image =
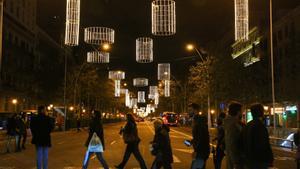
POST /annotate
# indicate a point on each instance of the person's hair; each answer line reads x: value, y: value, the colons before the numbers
x: 257, y: 110
x: 97, y: 114
x: 221, y: 117
x: 130, y: 117
x: 41, y: 109
x: 157, y: 123
x: 195, y: 106
x: 199, y: 121
x: 234, y: 108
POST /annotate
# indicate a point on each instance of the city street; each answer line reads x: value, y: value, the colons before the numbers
x: 68, y: 150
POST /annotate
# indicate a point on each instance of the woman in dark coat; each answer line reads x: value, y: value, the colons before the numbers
x: 200, y: 142
x: 130, y: 137
x: 161, y: 146
x: 95, y: 126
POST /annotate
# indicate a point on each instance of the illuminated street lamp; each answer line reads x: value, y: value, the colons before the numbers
x: 191, y: 47
x: 71, y: 108
x: 15, y: 102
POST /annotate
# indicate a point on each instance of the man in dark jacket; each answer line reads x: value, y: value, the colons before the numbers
x: 161, y: 146
x: 11, y: 130
x: 255, y: 138
x: 41, y: 127
x: 233, y: 129
x: 200, y: 142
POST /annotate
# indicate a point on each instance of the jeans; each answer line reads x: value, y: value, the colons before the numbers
x: 157, y: 164
x: 99, y: 156
x: 133, y: 148
x: 42, y: 157
x: 218, y: 158
x: 9, y: 139
x: 198, y: 163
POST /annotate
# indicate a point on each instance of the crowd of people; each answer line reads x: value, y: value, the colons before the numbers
x: 246, y: 146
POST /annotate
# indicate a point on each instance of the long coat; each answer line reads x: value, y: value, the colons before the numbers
x: 162, y: 144
x: 200, y: 140
x: 96, y: 126
x: 41, y: 127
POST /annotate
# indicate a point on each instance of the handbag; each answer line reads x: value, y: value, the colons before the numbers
x: 95, y: 144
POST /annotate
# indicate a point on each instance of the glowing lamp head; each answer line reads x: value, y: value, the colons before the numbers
x: 106, y: 46
x: 190, y: 47
x: 14, y: 101
x: 71, y: 108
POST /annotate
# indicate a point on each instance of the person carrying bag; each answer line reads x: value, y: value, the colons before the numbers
x: 95, y: 141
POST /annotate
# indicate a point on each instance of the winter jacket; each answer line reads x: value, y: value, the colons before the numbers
x: 162, y: 144
x: 130, y: 133
x: 11, y: 126
x: 41, y: 127
x: 256, y: 145
x: 233, y: 148
x: 95, y: 126
x: 200, y: 141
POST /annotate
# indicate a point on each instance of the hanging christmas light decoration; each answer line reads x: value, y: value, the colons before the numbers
x: 117, y: 88
x: 117, y: 76
x: 133, y: 103
x: 144, y: 50
x: 167, y: 88
x: 156, y: 99
x: 153, y: 90
x: 98, y: 57
x: 127, y: 98
x: 72, y: 23
x: 164, y: 74
x: 141, y: 97
x: 163, y: 17
x: 140, y: 82
x: 99, y: 35
x: 164, y: 71
x: 241, y: 11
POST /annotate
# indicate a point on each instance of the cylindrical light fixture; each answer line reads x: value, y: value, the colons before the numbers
x: 144, y: 50
x: 72, y: 23
x: 163, y: 17
x: 153, y: 90
x: 116, y: 75
x: 141, y: 97
x: 133, y: 103
x: 117, y: 88
x: 167, y: 88
x: 241, y: 11
x: 99, y: 35
x: 140, y: 82
x: 98, y: 57
x: 164, y: 71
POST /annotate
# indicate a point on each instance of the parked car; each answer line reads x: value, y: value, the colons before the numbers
x: 170, y: 118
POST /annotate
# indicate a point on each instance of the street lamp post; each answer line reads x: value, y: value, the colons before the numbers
x: 272, y: 63
x: 15, y: 102
x: 191, y: 47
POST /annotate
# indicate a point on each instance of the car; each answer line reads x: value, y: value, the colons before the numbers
x: 170, y: 118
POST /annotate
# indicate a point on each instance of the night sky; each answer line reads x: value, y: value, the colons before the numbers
x: 198, y: 21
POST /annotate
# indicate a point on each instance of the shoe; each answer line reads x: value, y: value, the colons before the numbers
x: 118, y: 167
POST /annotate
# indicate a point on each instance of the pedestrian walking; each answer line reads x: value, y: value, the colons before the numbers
x: 297, y: 143
x: 21, y: 130
x: 130, y: 137
x: 161, y: 146
x: 11, y: 131
x: 219, y: 154
x: 95, y: 127
x: 233, y: 128
x: 78, y: 123
x: 255, y: 140
x: 200, y: 142
x: 41, y: 126
x: 25, y: 122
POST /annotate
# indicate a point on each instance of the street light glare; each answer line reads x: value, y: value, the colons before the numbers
x: 14, y: 101
x: 106, y: 46
x: 190, y: 47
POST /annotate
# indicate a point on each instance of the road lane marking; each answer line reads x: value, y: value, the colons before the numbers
x: 181, y: 133
x: 284, y: 158
x: 61, y: 143
x: 93, y: 157
x: 190, y: 151
x: 113, y: 142
x: 151, y: 129
x: 176, y: 159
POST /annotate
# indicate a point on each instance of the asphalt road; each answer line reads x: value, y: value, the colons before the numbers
x: 68, y: 150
